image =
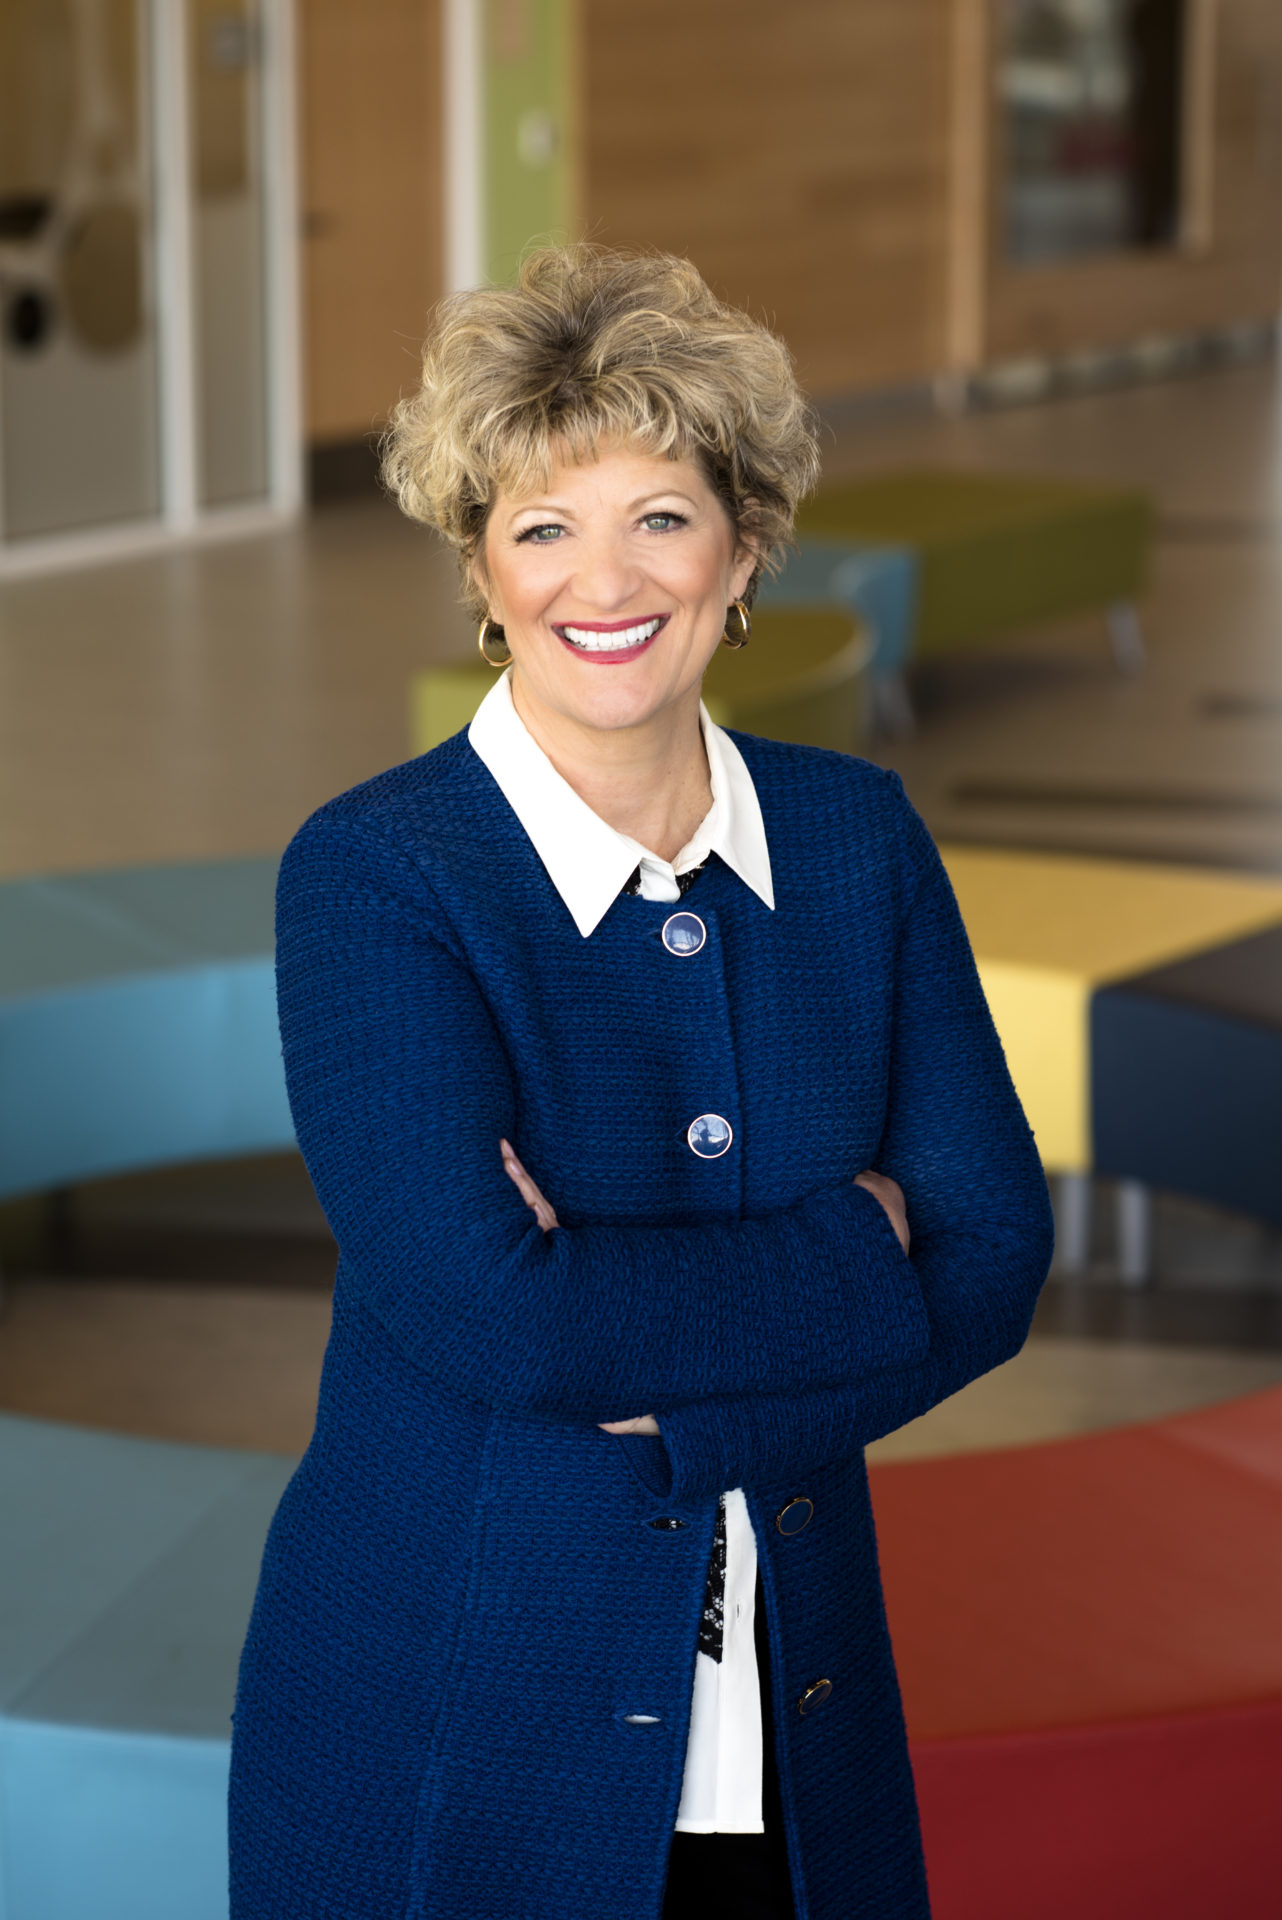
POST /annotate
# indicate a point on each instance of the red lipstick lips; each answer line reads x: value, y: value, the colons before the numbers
x: 603, y: 641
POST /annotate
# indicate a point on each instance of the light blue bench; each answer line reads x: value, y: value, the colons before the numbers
x: 879, y: 585
x: 129, y: 1574
x: 137, y: 1022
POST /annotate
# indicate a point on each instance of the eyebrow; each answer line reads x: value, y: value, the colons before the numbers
x: 633, y: 506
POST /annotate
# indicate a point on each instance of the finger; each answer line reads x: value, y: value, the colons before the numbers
x: 525, y: 1187
x: 539, y: 1207
x: 542, y: 1209
x: 881, y: 1184
x: 522, y: 1182
x: 645, y: 1423
x: 516, y: 1170
x: 890, y: 1198
x: 520, y: 1178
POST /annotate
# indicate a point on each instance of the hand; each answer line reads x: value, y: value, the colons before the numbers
x: 891, y: 1196
x: 542, y: 1209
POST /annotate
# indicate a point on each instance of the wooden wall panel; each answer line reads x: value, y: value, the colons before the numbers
x: 1230, y: 269
x: 797, y: 154
x: 372, y: 193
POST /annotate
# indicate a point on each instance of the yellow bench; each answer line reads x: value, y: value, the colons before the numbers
x: 1051, y: 933
x: 1049, y: 929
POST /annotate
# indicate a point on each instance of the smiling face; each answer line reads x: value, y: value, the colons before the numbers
x: 611, y: 584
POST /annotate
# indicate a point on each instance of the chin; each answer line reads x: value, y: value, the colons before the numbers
x: 613, y: 715
x: 623, y: 700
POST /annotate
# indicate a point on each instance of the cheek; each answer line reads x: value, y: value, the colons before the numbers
x: 508, y: 584
x: 705, y: 573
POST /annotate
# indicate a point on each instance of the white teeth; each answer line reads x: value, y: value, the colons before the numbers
x: 611, y: 642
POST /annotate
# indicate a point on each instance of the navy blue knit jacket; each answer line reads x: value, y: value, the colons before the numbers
x: 465, y: 1602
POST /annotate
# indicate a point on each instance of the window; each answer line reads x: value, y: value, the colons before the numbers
x: 1091, y: 102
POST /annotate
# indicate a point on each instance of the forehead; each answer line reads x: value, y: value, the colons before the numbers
x: 609, y: 475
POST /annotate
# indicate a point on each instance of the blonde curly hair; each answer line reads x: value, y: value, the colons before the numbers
x: 593, y: 347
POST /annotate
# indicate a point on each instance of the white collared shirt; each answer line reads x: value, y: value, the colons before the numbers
x: 589, y: 863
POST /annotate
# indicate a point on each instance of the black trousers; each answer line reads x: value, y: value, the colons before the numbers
x: 737, y: 1876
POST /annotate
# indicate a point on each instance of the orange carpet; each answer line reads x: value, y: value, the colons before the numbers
x: 1089, y: 1637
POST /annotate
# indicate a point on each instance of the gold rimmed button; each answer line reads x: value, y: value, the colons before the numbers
x: 795, y: 1517
x: 815, y: 1696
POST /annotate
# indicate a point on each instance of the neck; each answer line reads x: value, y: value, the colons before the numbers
x: 650, y: 782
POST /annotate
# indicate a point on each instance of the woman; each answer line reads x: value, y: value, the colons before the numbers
x: 624, y: 1055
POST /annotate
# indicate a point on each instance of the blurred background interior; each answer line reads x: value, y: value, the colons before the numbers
x: 1028, y: 254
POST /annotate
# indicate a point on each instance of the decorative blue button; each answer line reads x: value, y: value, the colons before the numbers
x: 684, y: 934
x: 815, y: 1696
x: 709, y: 1136
x: 796, y: 1516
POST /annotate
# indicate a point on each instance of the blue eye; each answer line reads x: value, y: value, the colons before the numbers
x: 662, y: 522
x: 543, y: 536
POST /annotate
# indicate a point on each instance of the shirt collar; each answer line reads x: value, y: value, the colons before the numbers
x: 588, y: 861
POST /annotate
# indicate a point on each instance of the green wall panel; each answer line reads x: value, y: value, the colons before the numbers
x: 529, y: 106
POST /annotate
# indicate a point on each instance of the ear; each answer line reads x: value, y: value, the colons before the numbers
x: 745, y: 565
x: 747, y: 556
x: 480, y: 579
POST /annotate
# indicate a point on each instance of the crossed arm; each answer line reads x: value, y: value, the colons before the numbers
x: 888, y: 1192
x: 765, y: 1345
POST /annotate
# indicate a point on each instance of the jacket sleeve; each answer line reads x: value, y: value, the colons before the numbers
x: 401, y: 1090
x: 957, y: 1142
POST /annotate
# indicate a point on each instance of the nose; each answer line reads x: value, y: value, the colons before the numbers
x: 606, y: 576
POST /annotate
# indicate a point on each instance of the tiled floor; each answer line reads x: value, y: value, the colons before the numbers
x: 235, y: 1365
x: 202, y: 702
x: 219, y: 1363
x: 194, y: 1305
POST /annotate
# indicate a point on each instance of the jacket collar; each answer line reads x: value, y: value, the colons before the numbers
x: 588, y: 861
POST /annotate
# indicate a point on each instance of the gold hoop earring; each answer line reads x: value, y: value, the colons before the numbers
x: 745, y: 626
x: 485, y: 631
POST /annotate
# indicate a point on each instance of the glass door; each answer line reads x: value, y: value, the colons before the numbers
x: 148, y: 315
x: 78, y: 362
x: 224, y: 50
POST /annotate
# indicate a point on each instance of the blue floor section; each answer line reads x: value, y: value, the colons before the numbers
x: 130, y: 1568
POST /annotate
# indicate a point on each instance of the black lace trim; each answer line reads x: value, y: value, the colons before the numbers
x: 684, y: 880
x: 712, y: 1621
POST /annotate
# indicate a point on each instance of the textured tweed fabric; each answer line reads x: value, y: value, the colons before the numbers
x: 466, y: 1685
